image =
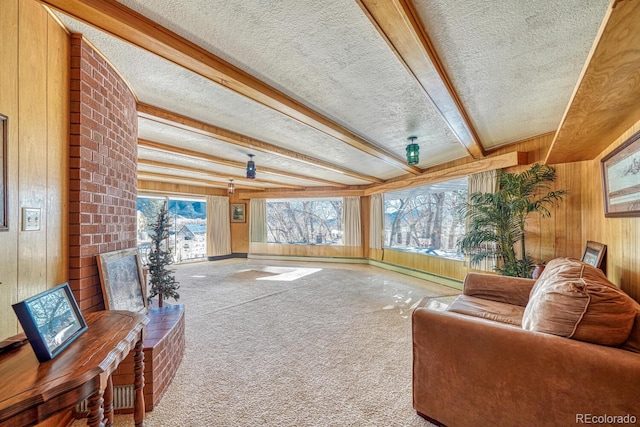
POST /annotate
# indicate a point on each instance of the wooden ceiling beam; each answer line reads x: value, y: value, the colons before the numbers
x: 179, y: 121
x: 169, y: 178
x: 168, y: 188
x: 129, y: 25
x: 605, y: 100
x: 225, y: 162
x: 399, y: 24
x: 239, y: 180
x: 507, y: 160
x: 296, y: 194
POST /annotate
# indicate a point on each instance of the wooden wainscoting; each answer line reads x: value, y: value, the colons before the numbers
x: 321, y: 251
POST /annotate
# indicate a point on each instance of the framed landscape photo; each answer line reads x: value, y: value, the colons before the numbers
x: 238, y: 212
x: 621, y: 179
x: 122, y: 279
x: 594, y: 254
x: 51, y: 321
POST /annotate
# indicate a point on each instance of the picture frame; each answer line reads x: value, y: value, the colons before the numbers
x: 621, y: 179
x: 122, y: 280
x: 51, y: 321
x: 594, y: 255
x: 238, y: 212
x: 4, y: 224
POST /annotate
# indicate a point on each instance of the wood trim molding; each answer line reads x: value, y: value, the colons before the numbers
x: 219, y: 160
x: 239, y: 180
x: 146, y: 187
x: 398, y: 22
x: 129, y: 25
x: 292, y: 194
x: 154, y: 176
x: 176, y: 120
x: 513, y: 158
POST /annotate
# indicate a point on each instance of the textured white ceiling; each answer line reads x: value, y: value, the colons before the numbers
x: 513, y: 63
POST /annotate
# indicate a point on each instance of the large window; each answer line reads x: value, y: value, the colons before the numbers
x: 188, y: 233
x: 426, y: 219
x: 305, y: 221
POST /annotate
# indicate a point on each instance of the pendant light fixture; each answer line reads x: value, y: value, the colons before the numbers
x: 231, y: 188
x: 413, y: 151
x: 251, y: 168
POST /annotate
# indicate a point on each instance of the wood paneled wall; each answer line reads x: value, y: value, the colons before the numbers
x: 621, y: 235
x: 325, y: 251
x: 240, y: 230
x: 34, y: 94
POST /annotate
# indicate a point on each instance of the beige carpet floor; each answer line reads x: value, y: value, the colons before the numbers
x: 293, y: 344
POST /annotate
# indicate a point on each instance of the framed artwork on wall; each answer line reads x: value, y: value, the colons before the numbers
x: 238, y: 212
x: 51, y: 321
x: 122, y: 279
x: 621, y: 179
x: 3, y: 173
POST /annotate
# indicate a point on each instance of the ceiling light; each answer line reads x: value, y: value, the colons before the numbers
x: 413, y: 151
x: 230, y: 188
x: 251, y: 168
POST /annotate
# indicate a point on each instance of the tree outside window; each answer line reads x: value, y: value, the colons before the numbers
x: 427, y: 219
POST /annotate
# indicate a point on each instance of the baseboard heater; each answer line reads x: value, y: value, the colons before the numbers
x: 123, y: 398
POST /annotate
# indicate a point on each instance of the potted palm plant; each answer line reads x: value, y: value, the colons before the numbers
x: 496, y: 221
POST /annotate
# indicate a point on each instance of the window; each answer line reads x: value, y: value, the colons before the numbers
x: 188, y: 234
x: 426, y: 219
x: 305, y: 221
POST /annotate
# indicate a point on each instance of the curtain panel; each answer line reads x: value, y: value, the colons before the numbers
x: 258, y: 220
x: 218, y: 226
x: 376, y: 221
x: 352, y: 235
x: 483, y: 182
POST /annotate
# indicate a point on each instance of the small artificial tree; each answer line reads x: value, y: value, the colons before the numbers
x: 497, y: 220
x: 163, y: 282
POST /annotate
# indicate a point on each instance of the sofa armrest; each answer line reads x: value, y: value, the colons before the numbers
x: 469, y: 371
x: 509, y: 290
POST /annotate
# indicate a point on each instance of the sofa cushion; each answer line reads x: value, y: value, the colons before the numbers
x: 575, y: 300
x: 493, y: 310
x: 633, y: 342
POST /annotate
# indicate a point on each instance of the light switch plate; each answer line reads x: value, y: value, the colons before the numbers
x: 31, y: 219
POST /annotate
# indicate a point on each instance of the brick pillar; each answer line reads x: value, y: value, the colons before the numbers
x: 103, y: 169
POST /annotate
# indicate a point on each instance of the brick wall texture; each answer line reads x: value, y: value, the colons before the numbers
x: 103, y: 169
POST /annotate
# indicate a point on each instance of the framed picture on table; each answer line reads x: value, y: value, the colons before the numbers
x: 594, y: 254
x: 51, y: 321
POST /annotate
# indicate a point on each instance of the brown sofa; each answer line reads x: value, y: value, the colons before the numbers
x: 475, y: 364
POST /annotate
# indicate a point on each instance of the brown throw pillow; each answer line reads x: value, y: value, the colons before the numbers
x: 575, y: 300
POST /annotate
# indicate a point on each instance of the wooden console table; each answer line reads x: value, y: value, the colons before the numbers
x: 32, y: 391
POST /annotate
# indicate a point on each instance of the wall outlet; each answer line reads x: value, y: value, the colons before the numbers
x: 31, y: 219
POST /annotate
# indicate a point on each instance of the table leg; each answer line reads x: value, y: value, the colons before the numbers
x: 138, y: 369
x: 108, y: 403
x: 95, y: 417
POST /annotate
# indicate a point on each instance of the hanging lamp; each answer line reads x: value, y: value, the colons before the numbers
x: 251, y: 168
x: 413, y: 151
x: 231, y: 188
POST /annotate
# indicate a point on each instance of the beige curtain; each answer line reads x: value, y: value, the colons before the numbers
x: 376, y: 225
x: 483, y: 182
x: 258, y: 220
x: 352, y: 236
x: 218, y: 226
